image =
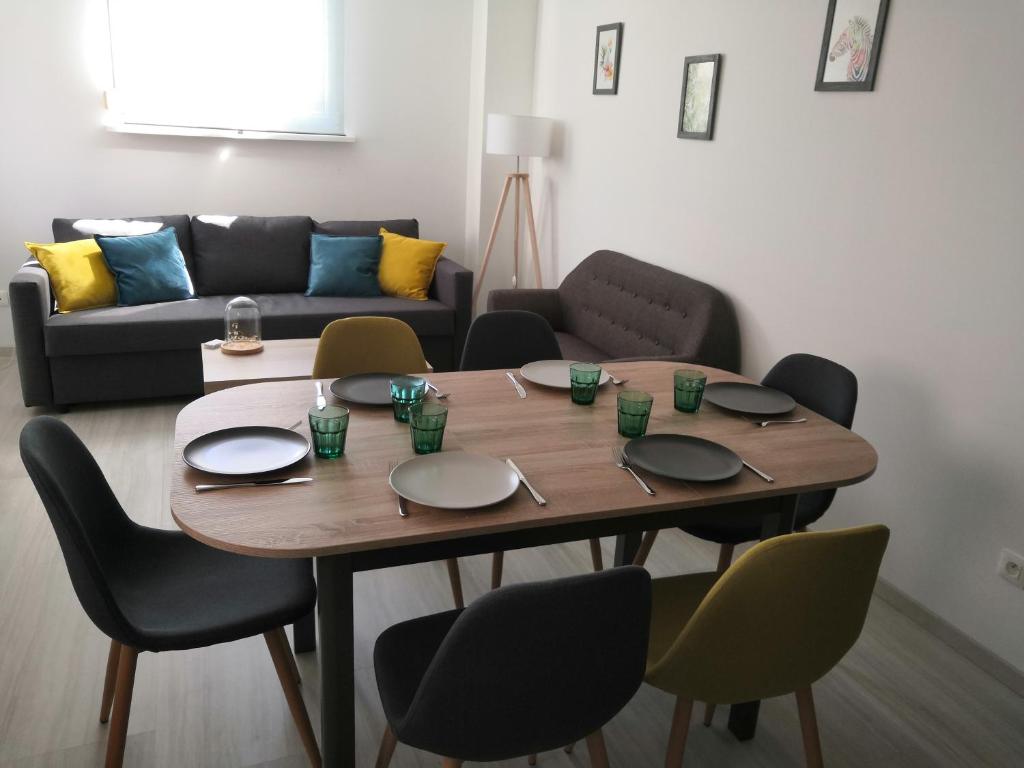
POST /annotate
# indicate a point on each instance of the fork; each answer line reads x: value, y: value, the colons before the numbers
x: 779, y: 421
x: 437, y: 392
x: 615, y: 380
x: 401, y: 500
x: 620, y: 461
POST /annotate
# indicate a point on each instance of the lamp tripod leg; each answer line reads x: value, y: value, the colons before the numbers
x: 491, y: 239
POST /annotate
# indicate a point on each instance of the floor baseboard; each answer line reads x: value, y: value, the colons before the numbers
x: 959, y: 641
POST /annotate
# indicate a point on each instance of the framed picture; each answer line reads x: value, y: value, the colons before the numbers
x: 852, y: 42
x: 700, y: 89
x: 607, y: 53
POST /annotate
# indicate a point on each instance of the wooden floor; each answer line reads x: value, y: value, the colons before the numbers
x: 901, y: 697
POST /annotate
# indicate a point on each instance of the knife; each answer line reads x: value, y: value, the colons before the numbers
x: 254, y: 483
x: 321, y: 401
x: 519, y: 387
x: 541, y: 501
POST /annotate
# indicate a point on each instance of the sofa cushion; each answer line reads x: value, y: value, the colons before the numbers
x: 407, y: 227
x: 186, y: 324
x: 251, y: 254
x: 65, y: 230
x: 575, y: 348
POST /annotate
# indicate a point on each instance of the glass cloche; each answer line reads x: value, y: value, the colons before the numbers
x: 242, y: 332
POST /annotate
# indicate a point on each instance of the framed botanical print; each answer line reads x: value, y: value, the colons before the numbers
x: 850, y: 47
x: 697, y: 104
x: 607, y: 54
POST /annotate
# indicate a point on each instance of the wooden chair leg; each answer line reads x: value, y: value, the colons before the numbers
x: 680, y: 730
x: 709, y: 713
x: 450, y: 762
x: 725, y: 558
x: 809, y: 728
x: 387, y: 748
x: 110, y: 680
x: 280, y: 652
x: 127, y: 658
x: 497, y: 566
x: 598, y: 751
x: 646, y: 544
x: 456, y: 581
x: 595, y: 554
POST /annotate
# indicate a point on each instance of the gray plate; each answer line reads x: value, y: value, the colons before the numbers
x: 749, y: 398
x: 364, y: 388
x: 246, y: 450
x: 683, y: 457
x: 454, y: 480
x: 554, y: 373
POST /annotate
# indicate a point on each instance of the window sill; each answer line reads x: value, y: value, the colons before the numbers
x: 223, y: 133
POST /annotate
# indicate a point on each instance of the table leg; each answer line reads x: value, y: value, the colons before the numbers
x: 743, y: 717
x: 626, y: 547
x: 304, y: 633
x: 337, y: 662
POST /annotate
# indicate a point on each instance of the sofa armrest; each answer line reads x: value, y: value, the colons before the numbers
x: 453, y: 286
x: 544, y: 301
x: 31, y: 305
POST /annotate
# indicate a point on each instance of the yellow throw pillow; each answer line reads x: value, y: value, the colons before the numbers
x: 78, y: 274
x: 407, y: 265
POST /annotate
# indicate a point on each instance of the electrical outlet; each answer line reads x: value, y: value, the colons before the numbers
x: 4, y: 300
x: 1011, y: 568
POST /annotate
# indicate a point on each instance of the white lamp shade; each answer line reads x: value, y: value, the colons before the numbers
x: 520, y: 135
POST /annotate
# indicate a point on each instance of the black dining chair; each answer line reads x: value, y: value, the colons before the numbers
x: 155, y: 590
x: 511, y: 338
x: 525, y: 669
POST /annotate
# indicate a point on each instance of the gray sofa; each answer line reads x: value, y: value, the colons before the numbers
x: 614, y: 307
x: 153, y: 350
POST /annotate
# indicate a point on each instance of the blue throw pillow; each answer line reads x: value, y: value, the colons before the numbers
x: 147, y: 268
x: 344, y: 266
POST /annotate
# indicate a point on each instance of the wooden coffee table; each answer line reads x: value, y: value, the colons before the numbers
x: 280, y: 360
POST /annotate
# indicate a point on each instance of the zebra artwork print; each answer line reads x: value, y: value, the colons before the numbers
x: 856, y: 40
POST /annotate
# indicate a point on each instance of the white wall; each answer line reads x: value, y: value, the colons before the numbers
x: 407, y: 72
x: 880, y: 229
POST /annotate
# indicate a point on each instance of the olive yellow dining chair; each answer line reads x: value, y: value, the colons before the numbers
x: 354, y: 345
x: 777, y: 620
x: 368, y: 345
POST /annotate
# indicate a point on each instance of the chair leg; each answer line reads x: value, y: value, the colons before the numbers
x: 497, y: 565
x: 456, y: 581
x: 598, y: 751
x: 645, y: 548
x: 110, y: 680
x: 809, y: 728
x: 680, y: 730
x: 595, y: 554
x: 127, y: 658
x: 450, y: 762
x: 280, y: 652
x: 531, y: 759
x: 387, y: 748
x: 725, y: 558
x: 709, y: 713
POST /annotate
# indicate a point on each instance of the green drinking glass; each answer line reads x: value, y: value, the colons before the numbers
x: 426, y: 424
x: 689, y: 386
x: 329, y: 428
x: 634, y: 412
x: 583, y: 381
x: 406, y: 391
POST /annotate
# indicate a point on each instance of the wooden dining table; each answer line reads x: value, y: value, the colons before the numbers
x: 347, y: 519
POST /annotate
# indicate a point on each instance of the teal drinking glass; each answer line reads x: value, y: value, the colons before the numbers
x: 634, y: 412
x: 328, y: 427
x: 689, y: 386
x: 406, y: 391
x: 426, y: 423
x: 583, y: 381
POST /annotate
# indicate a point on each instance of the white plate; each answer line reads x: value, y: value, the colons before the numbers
x: 554, y: 373
x: 454, y: 480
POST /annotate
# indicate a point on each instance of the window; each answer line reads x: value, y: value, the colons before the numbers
x: 261, y: 66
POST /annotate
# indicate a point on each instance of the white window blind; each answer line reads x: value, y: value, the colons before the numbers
x: 241, y: 65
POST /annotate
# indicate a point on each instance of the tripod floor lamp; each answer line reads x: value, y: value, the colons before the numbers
x: 522, y: 136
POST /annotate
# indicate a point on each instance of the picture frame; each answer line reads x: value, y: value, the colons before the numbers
x: 607, y: 57
x: 699, y: 96
x: 851, y: 45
